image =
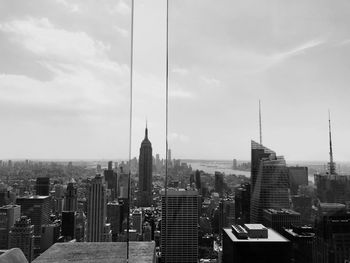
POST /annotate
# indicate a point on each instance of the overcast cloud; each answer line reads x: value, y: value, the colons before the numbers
x: 64, y: 77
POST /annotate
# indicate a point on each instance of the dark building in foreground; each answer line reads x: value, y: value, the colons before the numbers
x: 254, y: 243
x: 302, y: 238
x: 22, y: 236
x: 8, y: 216
x: 332, y: 243
x: 145, y: 173
x: 37, y: 208
x: 179, y: 228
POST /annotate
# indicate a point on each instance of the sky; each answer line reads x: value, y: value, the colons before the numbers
x: 65, y: 78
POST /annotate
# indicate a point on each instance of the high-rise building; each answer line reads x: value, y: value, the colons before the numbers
x: 332, y: 188
x: 227, y: 213
x: 242, y: 204
x: 50, y: 234
x: 302, y: 238
x: 114, y: 217
x: 71, y: 197
x: 219, y: 183
x: 278, y: 219
x: 179, y: 228
x: 258, y: 152
x: 111, y: 180
x: 37, y: 208
x: 332, y: 244
x: 137, y: 219
x: 254, y: 243
x: 22, y: 236
x: 302, y: 204
x: 42, y: 186
x: 68, y: 224
x: 96, y: 209
x: 298, y: 175
x: 270, y: 183
x: 198, y: 181
x: 123, y: 182
x: 8, y: 216
x: 81, y: 227
x: 145, y: 172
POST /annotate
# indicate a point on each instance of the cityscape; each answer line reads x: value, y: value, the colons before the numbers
x: 274, y: 215
x: 174, y: 131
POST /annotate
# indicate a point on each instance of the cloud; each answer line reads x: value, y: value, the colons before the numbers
x: 121, y: 8
x: 180, y: 71
x: 85, y: 80
x: 176, y: 137
x: 180, y: 93
x: 69, y: 5
x: 41, y: 37
x: 210, y: 81
x: 297, y: 50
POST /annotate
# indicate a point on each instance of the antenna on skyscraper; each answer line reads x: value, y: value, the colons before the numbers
x: 260, y: 131
x: 331, y: 163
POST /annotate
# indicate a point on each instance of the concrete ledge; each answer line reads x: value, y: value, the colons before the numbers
x: 104, y: 252
x: 14, y: 255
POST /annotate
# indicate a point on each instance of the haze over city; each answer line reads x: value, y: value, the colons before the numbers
x: 64, y: 78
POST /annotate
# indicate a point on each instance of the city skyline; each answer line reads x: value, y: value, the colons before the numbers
x: 64, y: 78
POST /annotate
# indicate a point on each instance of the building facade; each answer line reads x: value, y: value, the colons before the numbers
x: 96, y: 211
x: 179, y: 228
x: 8, y: 216
x: 22, y: 236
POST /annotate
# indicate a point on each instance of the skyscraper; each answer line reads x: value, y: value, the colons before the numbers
x: 96, y: 209
x: 71, y: 197
x: 22, y: 236
x: 258, y: 151
x: 145, y: 172
x: 111, y: 180
x: 179, y: 229
x: 42, y: 186
x: 219, y: 183
x: 332, y: 226
x: 37, y: 208
x: 8, y: 216
x: 242, y: 204
x: 331, y: 186
x: 298, y: 175
x: 198, y: 181
x: 270, y: 182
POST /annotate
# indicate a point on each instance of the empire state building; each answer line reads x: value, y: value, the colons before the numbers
x: 145, y: 172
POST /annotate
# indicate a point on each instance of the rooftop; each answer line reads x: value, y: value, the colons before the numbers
x: 273, y: 236
x: 104, y: 252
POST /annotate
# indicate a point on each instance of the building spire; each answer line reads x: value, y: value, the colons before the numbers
x: 260, y: 131
x: 331, y: 162
x: 146, y: 131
